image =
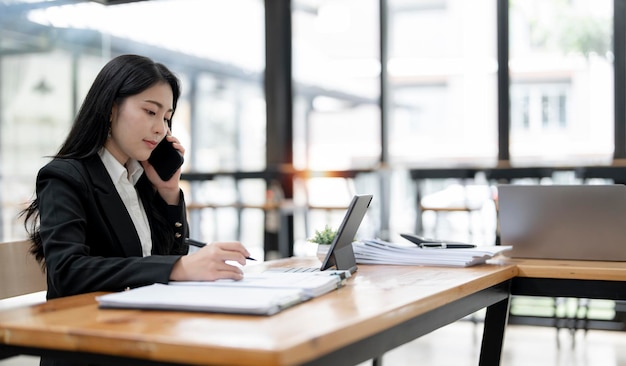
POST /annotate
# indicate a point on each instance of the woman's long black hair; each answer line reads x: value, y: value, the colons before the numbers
x: 123, y: 76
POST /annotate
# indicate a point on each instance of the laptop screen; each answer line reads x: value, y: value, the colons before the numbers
x: 577, y: 222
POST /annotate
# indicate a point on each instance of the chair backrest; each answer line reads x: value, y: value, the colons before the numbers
x: 20, y: 273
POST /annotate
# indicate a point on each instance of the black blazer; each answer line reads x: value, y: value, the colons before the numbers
x: 89, y: 240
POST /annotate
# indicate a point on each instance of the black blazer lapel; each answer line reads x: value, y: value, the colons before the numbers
x: 113, y: 208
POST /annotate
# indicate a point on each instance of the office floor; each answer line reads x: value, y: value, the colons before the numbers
x: 459, y: 344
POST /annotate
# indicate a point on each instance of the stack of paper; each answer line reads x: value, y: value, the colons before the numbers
x: 376, y: 251
x: 204, y: 298
x: 311, y: 284
x: 261, y: 294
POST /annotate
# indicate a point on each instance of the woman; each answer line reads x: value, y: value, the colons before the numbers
x: 103, y: 219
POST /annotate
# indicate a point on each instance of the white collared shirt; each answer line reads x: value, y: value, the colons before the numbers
x: 124, y: 180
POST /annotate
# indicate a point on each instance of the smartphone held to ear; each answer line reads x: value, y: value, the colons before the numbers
x: 166, y: 159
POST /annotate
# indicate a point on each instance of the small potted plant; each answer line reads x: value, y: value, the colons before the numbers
x: 323, y: 239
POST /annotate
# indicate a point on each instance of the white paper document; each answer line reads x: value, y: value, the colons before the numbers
x: 376, y: 251
x: 259, y: 294
x: 312, y: 284
x: 260, y: 301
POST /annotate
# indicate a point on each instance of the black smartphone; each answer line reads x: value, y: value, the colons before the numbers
x: 421, y: 241
x: 166, y: 159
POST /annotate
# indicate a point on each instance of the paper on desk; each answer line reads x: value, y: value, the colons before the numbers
x: 312, y: 284
x: 376, y: 251
x: 258, y: 293
x: 240, y: 300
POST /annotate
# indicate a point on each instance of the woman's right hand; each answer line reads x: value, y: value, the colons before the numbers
x: 209, y: 263
x: 168, y: 190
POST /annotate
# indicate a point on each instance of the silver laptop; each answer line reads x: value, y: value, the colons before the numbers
x: 578, y: 222
x: 340, y: 256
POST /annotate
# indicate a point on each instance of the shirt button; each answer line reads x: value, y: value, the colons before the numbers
x: 178, y: 224
x: 177, y: 235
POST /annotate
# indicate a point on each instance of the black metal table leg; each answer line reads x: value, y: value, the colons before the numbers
x: 496, y: 319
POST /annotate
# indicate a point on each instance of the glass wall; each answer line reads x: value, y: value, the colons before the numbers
x: 442, y: 93
x: 561, y: 65
x: 336, y: 73
x: 36, y: 109
x: 442, y: 72
x: 49, y: 56
x: 442, y: 76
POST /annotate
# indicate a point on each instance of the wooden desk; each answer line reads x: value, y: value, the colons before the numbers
x: 380, y: 308
x: 576, y: 270
x: 572, y: 279
x: 583, y: 279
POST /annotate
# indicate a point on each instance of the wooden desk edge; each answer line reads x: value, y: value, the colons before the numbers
x: 568, y: 269
x: 507, y: 269
x: 295, y: 353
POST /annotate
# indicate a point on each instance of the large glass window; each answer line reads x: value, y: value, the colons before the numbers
x: 442, y: 72
x: 36, y: 108
x: 442, y: 76
x: 230, y: 130
x: 442, y: 91
x: 561, y: 82
x: 336, y: 72
x: 51, y: 51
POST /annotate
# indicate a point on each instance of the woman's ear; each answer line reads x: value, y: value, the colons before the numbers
x: 113, y: 112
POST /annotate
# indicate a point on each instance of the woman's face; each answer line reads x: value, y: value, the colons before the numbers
x: 139, y: 123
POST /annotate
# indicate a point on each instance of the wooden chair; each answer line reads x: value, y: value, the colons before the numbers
x: 19, y: 272
x: 23, y: 283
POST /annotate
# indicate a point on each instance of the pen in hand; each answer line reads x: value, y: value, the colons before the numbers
x: 200, y: 244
